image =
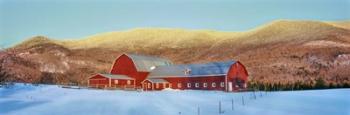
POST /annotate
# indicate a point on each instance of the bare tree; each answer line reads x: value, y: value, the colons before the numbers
x: 2, y: 48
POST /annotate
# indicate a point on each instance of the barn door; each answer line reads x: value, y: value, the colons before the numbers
x: 229, y: 86
x: 144, y: 86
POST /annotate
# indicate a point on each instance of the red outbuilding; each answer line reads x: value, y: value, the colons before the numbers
x: 112, y: 81
x: 152, y: 73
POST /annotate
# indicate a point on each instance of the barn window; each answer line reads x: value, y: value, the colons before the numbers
x: 213, y: 84
x: 116, y: 81
x: 222, y: 84
x: 205, y: 84
x: 128, y: 82
x: 157, y: 85
x: 188, y: 85
x: 149, y: 85
x: 197, y: 84
x: 179, y: 85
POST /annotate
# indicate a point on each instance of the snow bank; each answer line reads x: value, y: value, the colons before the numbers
x: 53, y: 100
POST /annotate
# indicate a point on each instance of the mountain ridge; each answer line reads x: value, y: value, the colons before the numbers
x: 162, y: 34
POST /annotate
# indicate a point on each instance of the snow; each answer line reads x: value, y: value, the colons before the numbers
x: 54, y: 100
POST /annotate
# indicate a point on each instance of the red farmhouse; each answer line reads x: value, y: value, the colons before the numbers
x: 151, y: 73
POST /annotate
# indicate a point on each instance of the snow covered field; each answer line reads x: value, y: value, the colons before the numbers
x: 53, y: 100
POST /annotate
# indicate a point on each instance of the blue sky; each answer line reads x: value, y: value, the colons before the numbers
x: 63, y: 19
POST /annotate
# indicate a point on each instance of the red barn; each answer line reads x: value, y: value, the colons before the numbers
x: 132, y: 67
x: 225, y: 76
x: 152, y: 73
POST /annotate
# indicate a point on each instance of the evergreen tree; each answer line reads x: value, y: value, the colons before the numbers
x: 331, y: 85
x: 346, y: 85
x: 339, y: 85
x: 320, y: 83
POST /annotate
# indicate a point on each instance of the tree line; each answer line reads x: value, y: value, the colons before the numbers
x: 320, y: 83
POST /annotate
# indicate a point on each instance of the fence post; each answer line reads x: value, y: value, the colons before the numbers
x: 219, y: 107
x: 254, y: 95
x: 198, y: 111
x: 242, y: 100
x: 233, y: 107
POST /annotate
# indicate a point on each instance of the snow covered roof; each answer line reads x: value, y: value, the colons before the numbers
x: 192, y: 70
x: 157, y: 80
x: 113, y: 76
x: 147, y: 63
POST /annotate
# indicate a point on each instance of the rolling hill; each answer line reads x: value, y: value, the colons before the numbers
x: 282, y: 51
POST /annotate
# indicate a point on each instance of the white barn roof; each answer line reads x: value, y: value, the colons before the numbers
x: 193, y: 70
x: 147, y: 63
x: 113, y: 76
x: 157, y: 80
